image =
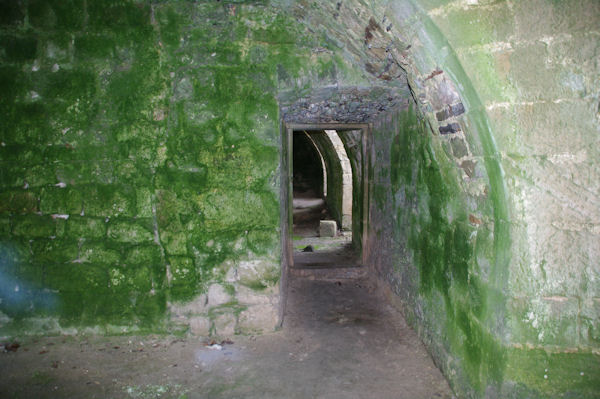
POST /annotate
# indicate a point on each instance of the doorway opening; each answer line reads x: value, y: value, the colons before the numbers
x: 322, y: 201
x: 326, y: 190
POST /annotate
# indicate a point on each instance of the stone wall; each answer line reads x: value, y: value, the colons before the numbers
x: 140, y: 162
x: 334, y: 172
x: 512, y: 88
x: 431, y: 241
x: 533, y: 85
x: 353, y: 143
x: 342, y: 157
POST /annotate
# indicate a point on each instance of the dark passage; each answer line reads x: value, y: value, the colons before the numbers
x: 308, y: 169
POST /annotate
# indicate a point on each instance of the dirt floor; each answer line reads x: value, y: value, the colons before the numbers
x: 339, y: 340
x: 312, y: 251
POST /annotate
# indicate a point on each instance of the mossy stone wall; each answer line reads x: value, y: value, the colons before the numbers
x: 496, y: 82
x: 511, y: 89
x: 140, y: 162
x: 432, y: 242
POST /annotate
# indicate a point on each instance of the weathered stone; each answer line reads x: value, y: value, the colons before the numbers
x: 259, y: 273
x: 98, y: 253
x: 348, y: 105
x: 327, y: 228
x: 217, y: 295
x: 259, y: 318
x: 450, y: 111
x: 231, y: 276
x: 459, y: 147
x: 469, y: 167
x: 224, y: 324
x: 440, y: 90
x: 129, y: 232
x: 248, y: 296
x: 199, y: 305
x: 200, y: 325
x: 450, y: 128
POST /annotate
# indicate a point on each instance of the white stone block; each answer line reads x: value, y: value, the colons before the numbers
x: 327, y: 228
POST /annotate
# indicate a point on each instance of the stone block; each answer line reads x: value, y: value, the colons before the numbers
x: 182, y: 270
x: 174, y: 243
x: 60, y: 200
x: 231, y: 276
x: 99, y: 253
x: 540, y: 82
x: 262, y: 240
x: 143, y: 255
x: 537, y: 18
x: 548, y: 321
x: 107, y: 200
x: 450, y: 111
x: 195, y: 307
x: 33, y: 226
x: 19, y: 49
x: 493, y: 24
x: 93, y: 45
x: 54, y: 251
x: 18, y: 202
x: 260, y: 272
x: 139, y: 278
x: 144, y: 202
x: 217, y: 295
x: 489, y: 73
x: 200, y: 325
x: 450, y: 128
x: 224, y: 324
x: 590, y: 313
x: 327, y: 228
x: 130, y: 232
x: 247, y: 296
x: 347, y: 222
x: 84, y: 227
x: 76, y: 278
x: 541, y: 127
x: 459, y: 147
x: 12, y: 14
x: 228, y: 208
x: 259, y: 318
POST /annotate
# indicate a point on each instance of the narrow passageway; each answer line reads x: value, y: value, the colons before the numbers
x: 322, y: 194
x: 340, y: 339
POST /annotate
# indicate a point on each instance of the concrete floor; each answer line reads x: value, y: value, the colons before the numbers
x: 339, y: 340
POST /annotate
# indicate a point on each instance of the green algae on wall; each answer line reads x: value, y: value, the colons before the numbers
x: 139, y: 161
x: 439, y: 262
x: 417, y: 182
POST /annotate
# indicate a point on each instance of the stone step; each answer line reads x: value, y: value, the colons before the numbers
x: 329, y: 273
